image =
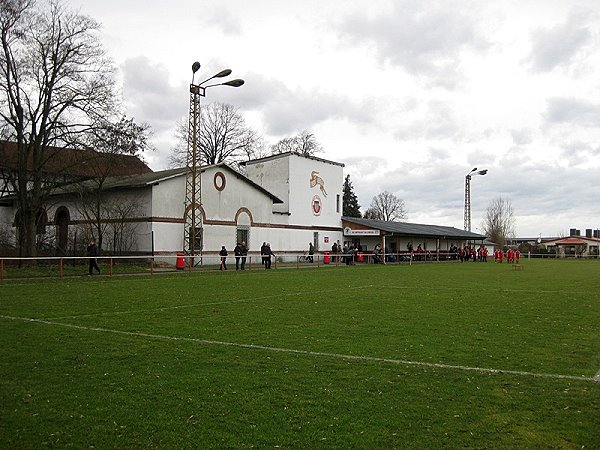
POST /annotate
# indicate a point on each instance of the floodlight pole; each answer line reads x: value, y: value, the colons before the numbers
x: 193, y: 182
x: 467, y: 215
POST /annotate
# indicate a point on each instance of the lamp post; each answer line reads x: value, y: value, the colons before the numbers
x: 468, y: 195
x: 193, y: 182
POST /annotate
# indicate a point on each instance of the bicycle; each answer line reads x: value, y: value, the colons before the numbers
x: 306, y: 258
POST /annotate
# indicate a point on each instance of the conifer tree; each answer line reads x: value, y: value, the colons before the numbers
x: 350, y: 206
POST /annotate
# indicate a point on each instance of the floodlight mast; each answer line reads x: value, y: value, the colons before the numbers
x: 192, y: 232
x: 467, y: 214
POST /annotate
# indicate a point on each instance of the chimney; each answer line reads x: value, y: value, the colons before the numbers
x: 588, y: 233
x: 573, y: 232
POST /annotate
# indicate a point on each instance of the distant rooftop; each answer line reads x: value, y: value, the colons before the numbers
x: 76, y: 163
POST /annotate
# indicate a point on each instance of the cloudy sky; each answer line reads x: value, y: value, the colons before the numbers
x: 409, y: 94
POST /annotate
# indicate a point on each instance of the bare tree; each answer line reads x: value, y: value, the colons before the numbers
x: 386, y: 206
x: 223, y: 137
x: 122, y: 230
x: 499, y: 223
x: 304, y: 143
x: 55, y: 83
x: 112, y: 141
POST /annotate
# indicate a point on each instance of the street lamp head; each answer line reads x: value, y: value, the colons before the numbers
x: 223, y: 73
x: 234, y: 83
x: 195, y: 67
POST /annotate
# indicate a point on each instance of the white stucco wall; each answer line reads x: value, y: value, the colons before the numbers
x: 289, y: 177
x: 274, y: 175
x: 302, y: 170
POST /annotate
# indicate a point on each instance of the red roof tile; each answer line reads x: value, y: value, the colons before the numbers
x: 77, y: 162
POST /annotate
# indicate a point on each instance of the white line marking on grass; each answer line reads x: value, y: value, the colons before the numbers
x: 312, y: 353
x: 194, y: 305
x: 432, y: 288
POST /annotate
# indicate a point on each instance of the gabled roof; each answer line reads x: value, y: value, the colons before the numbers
x: 285, y: 154
x: 245, y: 179
x: 415, y: 229
x: 126, y: 181
x: 149, y: 179
x: 76, y: 163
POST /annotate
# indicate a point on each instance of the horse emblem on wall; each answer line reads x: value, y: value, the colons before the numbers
x: 316, y: 180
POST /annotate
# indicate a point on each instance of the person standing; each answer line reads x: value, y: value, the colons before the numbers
x: 223, y: 254
x: 264, y: 253
x: 92, y: 252
x: 237, y: 251
x: 269, y: 253
x: 311, y: 252
x: 244, y: 255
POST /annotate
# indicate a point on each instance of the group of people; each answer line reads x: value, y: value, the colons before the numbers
x: 467, y: 253
x: 266, y: 253
x: 240, y: 252
x: 512, y: 256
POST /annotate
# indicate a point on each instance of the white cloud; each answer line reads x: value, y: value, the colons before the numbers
x: 409, y: 94
x: 561, y: 44
x: 574, y: 111
x: 424, y: 38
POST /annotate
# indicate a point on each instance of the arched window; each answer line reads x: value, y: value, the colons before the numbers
x: 243, y: 222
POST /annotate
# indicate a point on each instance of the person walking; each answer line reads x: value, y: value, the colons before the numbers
x: 92, y: 252
x: 223, y: 254
x: 311, y: 252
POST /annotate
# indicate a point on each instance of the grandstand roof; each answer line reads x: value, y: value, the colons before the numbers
x: 413, y: 229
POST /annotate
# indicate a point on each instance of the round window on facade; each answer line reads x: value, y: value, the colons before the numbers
x: 219, y: 181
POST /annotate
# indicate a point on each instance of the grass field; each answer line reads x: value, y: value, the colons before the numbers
x: 423, y: 356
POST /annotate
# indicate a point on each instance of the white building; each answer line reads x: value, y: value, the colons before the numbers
x: 287, y: 200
